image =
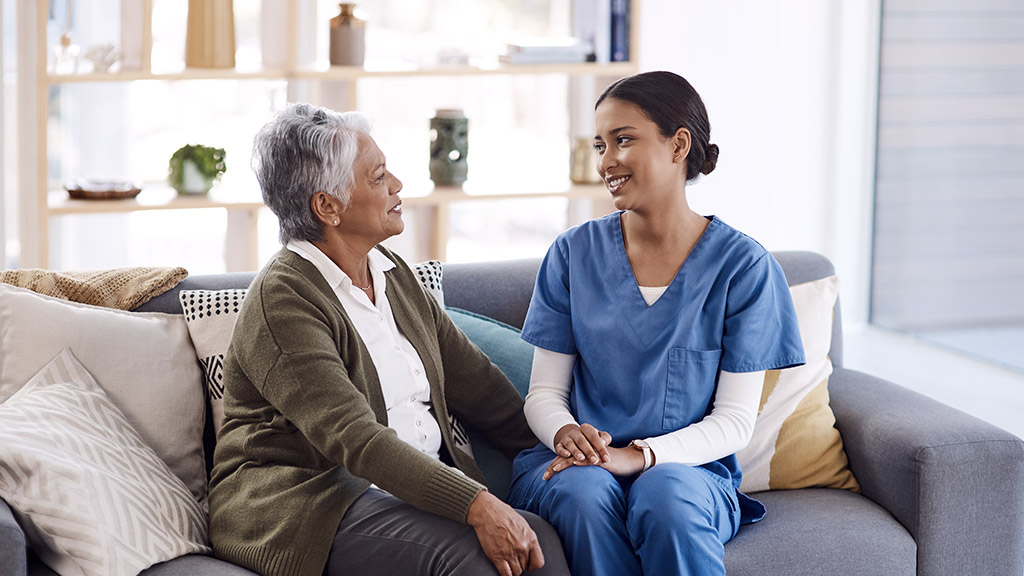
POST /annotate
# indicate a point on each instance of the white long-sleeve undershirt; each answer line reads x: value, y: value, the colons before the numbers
x: 724, y: 431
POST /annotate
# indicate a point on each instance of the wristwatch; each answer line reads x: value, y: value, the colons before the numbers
x: 644, y: 447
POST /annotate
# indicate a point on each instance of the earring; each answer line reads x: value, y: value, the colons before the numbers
x: 675, y: 158
x: 335, y: 222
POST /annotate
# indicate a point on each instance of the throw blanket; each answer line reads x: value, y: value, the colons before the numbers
x: 121, y: 288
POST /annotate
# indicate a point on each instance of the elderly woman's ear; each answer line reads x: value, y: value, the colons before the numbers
x: 326, y: 208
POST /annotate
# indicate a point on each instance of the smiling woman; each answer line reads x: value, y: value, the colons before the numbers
x: 640, y: 427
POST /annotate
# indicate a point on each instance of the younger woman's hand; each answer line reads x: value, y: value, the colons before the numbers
x: 625, y: 461
x: 621, y: 462
x: 584, y: 443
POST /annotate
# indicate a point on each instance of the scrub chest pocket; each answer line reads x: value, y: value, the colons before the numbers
x: 690, y: 385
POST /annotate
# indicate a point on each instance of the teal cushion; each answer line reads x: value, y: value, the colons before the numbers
x: 501, y: 343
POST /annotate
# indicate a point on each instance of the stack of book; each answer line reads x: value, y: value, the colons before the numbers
x: 546, y: 50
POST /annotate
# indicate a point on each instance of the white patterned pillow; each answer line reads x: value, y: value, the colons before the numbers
x: 211, y: 314
x: 143, y: 360
x: 430, y: 274
x: 93, y: 498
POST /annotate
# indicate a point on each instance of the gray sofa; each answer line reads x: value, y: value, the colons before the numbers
x: 943, y: 492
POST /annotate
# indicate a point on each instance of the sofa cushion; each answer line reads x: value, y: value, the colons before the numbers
x: 501, y: 343
x: 145, y: 363
x: 795, y: 443
x: 210, y: 316
x: 92, y: 497
x: 818, y: 531
x: 514, y: 357
x: 13, y: 546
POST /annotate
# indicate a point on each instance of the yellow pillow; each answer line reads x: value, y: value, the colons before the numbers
x: 795, y: 443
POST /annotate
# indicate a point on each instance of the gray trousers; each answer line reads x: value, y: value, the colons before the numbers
x: 382, y: 535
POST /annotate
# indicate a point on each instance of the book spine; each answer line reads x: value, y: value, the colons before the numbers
x: 620, y: 31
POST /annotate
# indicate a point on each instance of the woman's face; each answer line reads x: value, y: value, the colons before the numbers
x: 636, y: 162
x: 375, y: 210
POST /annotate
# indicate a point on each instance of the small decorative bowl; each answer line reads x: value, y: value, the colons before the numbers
x: 85, y: 189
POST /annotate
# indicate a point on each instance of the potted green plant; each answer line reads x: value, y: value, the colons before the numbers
x: 194, y: 168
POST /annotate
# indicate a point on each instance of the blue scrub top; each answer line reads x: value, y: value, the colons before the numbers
x: 645, y: 371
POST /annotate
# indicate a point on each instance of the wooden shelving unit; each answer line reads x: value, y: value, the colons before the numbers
x: 243, y: 212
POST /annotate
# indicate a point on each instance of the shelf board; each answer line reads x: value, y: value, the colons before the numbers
x: 149, y: 199
x: 186, y: 74
x: 569, y: 68
x: 349, y: 73
x: 59, y: 204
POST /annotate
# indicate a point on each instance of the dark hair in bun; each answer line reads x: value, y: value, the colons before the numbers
x: 670, y: 102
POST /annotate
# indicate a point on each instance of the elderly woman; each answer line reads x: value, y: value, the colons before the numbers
x: 336, y: 455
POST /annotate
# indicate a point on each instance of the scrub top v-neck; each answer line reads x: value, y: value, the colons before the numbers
x: 647, y: 370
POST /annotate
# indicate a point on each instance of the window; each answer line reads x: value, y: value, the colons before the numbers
x: 949, y: 207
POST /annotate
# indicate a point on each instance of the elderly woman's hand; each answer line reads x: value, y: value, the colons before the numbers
x: 504, y: 535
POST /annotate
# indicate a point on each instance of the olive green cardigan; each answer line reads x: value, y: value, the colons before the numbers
x: 305, y: 429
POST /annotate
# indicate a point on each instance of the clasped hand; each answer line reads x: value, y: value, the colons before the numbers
x: 585, y: 445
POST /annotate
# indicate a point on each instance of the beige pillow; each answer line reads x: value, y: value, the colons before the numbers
x: 145, y: 363
x: 795, y: 442
x: 93, y: 498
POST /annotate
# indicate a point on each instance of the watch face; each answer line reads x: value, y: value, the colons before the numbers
x: 641, y: 444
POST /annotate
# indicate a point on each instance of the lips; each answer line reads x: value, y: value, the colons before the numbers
x: 397, y: 208
x: 615, y: 182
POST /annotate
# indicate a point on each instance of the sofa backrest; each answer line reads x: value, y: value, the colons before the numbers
x: 168, y: 301
x: 502, y: 290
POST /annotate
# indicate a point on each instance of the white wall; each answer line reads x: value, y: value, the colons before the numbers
x: 790, y: 90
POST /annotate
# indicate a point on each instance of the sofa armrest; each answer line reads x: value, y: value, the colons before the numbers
x: 13, y: 548
x: 955, y: 482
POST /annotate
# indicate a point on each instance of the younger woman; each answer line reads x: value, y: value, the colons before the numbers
x: 653, y: 327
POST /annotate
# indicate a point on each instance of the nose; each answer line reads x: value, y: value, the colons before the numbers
x: 396, y: 184
x: 604, y: 161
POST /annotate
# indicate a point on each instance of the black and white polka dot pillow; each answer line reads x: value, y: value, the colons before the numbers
x: 429, y: 274
x: 210, y: 316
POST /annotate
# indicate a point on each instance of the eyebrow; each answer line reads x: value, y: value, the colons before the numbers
x: 617, y: 130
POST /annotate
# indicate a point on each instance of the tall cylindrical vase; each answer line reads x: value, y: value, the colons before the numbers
x: 348, y: 37
x: 210, y: 37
